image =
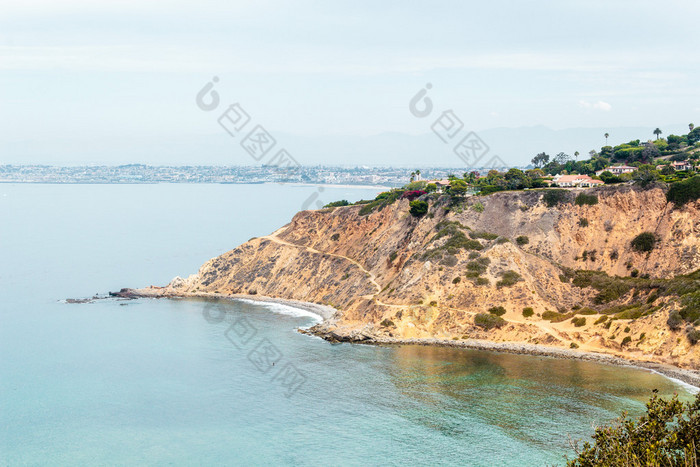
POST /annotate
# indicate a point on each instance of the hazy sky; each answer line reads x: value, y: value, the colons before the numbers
x: 76, y: 76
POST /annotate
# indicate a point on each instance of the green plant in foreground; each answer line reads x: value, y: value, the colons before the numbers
x: 668, y: 434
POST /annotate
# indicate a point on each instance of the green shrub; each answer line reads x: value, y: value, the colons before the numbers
x: 488, y: 321
x: 484, y: 235
x: 578, y: 322
x: 528, y: 311
x: 478, y: 207
x: 693, y: 335
x: 393, y: 256
x: 589, y: 200
x: 555, y: 317
x: 522, y: 240
x: 418, y: 208
x: 386, y: 323
x: 553, y: 197
x: 335, y: 237
x: 674, y: 320
x: 433, y: 303
x: 456, y: 280
x: 335, y: 204
x: 573, y: 345
x: 666, y: 435
x: 626, y: 340
x: 644, y: 242
x: 497, y: 310
x: 627, y: 329
x: 508, y: 278
x: 583, y: 222
x: 482, y: 281
x: 684, y: 191
x: 602, y: 319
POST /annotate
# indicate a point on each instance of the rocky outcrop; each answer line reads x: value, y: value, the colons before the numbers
x: 394, y: 276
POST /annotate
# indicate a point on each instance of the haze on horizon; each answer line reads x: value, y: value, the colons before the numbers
x: 114, y: 82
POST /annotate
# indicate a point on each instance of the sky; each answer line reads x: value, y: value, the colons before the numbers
x: 115, y: 81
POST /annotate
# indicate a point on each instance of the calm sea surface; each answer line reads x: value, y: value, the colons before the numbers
x: 188, y: 382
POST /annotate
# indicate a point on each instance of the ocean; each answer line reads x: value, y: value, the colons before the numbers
x: 188, y: 382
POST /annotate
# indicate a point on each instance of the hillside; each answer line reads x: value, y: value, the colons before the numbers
x: 392, y: 276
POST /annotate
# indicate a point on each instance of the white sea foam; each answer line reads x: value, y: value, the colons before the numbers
x: 284, y: 309
x: 688, y: 387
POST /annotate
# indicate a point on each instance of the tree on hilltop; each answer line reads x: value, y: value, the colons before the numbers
x: 657, y: 132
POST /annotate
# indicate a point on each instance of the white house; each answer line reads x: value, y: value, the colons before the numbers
x: 576, y: 180
x: 617, y: 170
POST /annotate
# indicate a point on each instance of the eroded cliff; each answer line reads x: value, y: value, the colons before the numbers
x: 391, y: 275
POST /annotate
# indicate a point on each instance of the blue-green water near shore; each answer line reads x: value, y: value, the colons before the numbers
x: 154, y: 382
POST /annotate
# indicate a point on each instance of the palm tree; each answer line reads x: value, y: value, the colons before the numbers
x: 606, y: 138
x: 413, y: 176
x: 576, y: 154
x: 418, y: 174
x: 657, y: 132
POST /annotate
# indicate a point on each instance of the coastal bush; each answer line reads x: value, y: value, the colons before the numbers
x: 693, y: 335
x: 626, y: 340
x: 474, y: 255
x: 578, y: 322
x: 335, y: 237
x: 602, y: 319
x: 336, y: 204
x: 508, y: 278
x: 488, y: 321
x: 456, y: 280
x: 528, y: 311
x: 522, y: 240
x: 501, y: 240
x: 583, y: 222
x: 666, y: 435
x: 554, y: 197
x: 433, y: 303
x: 484, y: 235
x: 555, y: 317
x: 614, y: 255
x: 627, y: 329
x: 478, y: 207
x: 497, y: 310
x: 644, y: 242
x: 584, y: 199
x: 586, y: 311
x: 418, y: 208
x: 479, y: 266
x: 573, y: 345
x: 387, y: 323
x: 393, y: 256
x: 482, y: 281
x: 684, y: 191
x: 674, y: 320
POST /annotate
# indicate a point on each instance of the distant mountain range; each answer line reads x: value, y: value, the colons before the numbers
x: 515, y: 146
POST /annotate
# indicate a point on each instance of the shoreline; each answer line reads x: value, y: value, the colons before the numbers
x: 325, y: 312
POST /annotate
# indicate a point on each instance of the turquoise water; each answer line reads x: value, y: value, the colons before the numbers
x: 183, y: 382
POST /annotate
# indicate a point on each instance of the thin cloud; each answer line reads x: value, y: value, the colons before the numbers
x: 600, y: 105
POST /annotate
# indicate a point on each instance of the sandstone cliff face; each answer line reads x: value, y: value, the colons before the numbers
x: 393, y: 275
